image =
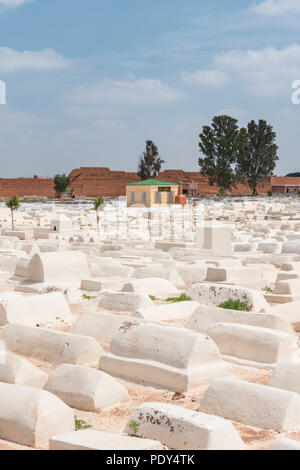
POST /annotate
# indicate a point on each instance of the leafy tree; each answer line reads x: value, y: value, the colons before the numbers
x: 222, y: 192
x: 257, y: 154
x: 218, y: 143
x: 150, y: 162
x: 294, y: 175
x: 61, y: 182
x: 13, y: 204
x: 98, y: 202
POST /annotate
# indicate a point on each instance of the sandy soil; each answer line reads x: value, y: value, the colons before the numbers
x: 114, y: 420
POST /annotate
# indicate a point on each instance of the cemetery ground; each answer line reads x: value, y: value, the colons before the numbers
x: 172, y: 329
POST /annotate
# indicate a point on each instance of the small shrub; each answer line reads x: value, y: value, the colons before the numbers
x: 235, y: 305
x: 182, y: 298
x: 88, y: 297
x: 270, y: 193
x: 134, y: 426
x: 152, y: 297
x: 80, y: 424
x: 268, y: 290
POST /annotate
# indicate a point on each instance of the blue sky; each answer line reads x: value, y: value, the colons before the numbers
x: 88, y: 82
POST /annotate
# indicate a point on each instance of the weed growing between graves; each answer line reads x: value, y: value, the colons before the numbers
x: 268, y: 290
x: 134, y: 426
x: 152, y: 297
x: 182, y: 298
x: 232, y: 304
x: 80, y: 425
x: 88, y: 297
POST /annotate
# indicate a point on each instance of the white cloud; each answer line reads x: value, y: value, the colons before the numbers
x: 83, y: 112
x: 12, y: 60
x: 268, y: 72
x: 70, y: 133
x: 288, y: 113
x: 235, y: 112
x: 109, y: 125
x: 12, y: 3
x: 134, y: 92
x: 207, y: 78
x: 14, y: 120
x: 277, y: 7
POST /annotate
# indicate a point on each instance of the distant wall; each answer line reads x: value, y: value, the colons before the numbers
x: 26, y: 187
x: 100, y: 181
x: 285, y: 180
x: 93, y: 182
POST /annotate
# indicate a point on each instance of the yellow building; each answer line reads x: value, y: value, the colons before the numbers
x: 151, y: 193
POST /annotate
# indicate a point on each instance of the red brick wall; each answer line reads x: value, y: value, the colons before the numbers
x: 284, y: 180
x: 203, y: 184
x: 26, y: 187
x: 94, y: 182
x: 98, y: 181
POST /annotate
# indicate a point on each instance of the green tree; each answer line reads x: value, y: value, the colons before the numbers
x: 257, y: 155
x: 150, y: 162
x: 98, y: 202
x: 222, y: 192
x: 13, y: 204
x: 219, y: 145
x: 294, y: 175
x: 61, y: 182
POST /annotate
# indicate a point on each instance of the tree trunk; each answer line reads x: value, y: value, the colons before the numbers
x: 12, y: 220
x: 253, y: 185
x: 98, y: 220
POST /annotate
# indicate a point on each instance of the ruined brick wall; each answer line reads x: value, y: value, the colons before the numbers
x: 285, y: 180
x: 203, y: 184
x: 92, y: 182
x: 26, y: 187
x: 101, y: 181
